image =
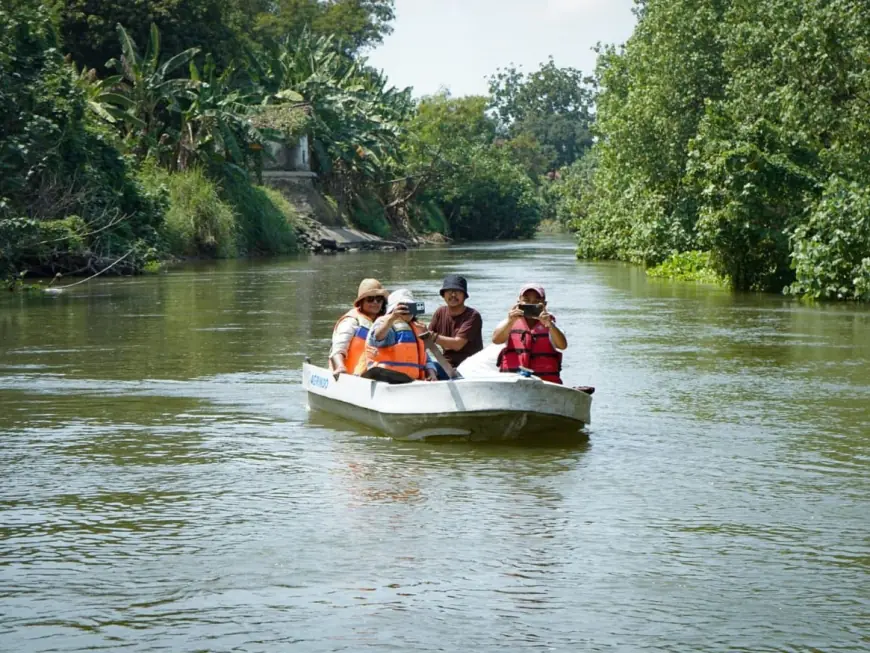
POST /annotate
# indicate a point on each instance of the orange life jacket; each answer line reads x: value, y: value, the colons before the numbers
x: 532, y: 349
x: 407, y: 356
x: 354, y: 359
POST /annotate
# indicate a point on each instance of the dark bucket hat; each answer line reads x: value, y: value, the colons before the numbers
x: 454, y: 282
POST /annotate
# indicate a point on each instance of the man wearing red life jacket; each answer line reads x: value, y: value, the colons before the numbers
x: 531, y: 337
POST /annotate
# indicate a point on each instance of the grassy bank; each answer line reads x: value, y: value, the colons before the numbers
x: 689, y: 266
x: 220, y: 218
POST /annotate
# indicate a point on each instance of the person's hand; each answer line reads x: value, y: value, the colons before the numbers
x: 545, y: 318
x: 338, y: 366
x: 431, y: 375
x: 515, y: 312
x: 400, y: 314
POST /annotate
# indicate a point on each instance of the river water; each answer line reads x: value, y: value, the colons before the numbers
x: 164, y: 489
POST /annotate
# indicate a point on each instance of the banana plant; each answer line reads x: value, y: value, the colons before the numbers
x: 103, y: 99
x: 215, y: 121
x: 149, y: 87
x: 356, y: 121
x: 356, y: 118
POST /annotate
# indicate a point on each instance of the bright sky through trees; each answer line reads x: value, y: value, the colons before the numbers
x: 457, y: 43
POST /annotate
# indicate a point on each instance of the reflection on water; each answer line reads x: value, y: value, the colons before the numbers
x: 164, y: 488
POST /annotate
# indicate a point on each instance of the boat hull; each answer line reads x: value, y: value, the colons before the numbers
x: 500, y: 408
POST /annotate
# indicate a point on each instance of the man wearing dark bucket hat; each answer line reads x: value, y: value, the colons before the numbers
x: 458, y: 328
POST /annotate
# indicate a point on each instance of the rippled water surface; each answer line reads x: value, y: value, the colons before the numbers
x: 164, y: 489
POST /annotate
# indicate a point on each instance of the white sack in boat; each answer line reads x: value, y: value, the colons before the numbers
x: 483, y: 363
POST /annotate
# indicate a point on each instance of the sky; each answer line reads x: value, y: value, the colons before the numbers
x: 456, y: 44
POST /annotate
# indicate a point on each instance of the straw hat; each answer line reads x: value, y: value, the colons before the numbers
x: 370, y: 288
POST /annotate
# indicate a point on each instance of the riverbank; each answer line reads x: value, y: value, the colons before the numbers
x: 204, y: 218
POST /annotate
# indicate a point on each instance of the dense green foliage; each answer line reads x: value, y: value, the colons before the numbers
x: 354, y: 24
x: 221, y: 218
x: 732, y: 138
x: 265, y: 219
x: 739, y: 127
x: 145, y: 142
x: 551, y: 108
x: 469, y: 180
x: 225, y: 28
x: 831, y: 254
x: 649, y: 106
x: 67, y: 200
x: 72, y: 199
x: 198, y: 222
x: 567, y: 197
x: 545, y: 119
x: 356, y: 119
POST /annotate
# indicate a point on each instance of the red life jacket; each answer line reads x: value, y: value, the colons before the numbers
x: 532, y: 349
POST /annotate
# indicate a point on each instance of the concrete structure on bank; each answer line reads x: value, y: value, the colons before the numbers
x: 323, y: 229
x: 282, y: 157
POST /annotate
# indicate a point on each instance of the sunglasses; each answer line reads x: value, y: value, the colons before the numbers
x: 379, y: 300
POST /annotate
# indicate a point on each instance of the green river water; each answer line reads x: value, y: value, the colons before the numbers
x: 163, y: 487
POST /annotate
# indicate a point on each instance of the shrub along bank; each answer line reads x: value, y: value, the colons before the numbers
x: 740, y: 129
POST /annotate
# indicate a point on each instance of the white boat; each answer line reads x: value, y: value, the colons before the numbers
x: 492, y: 407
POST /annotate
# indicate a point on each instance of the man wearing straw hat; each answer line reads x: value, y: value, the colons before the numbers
x: 350, y: 332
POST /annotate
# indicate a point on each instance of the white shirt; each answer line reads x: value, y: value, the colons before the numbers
x: 342, y: 336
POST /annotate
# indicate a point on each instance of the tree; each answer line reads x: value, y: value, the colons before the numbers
x: 354, y: 24
x: 355, y: 119
x: 216, y: 128
x: 103, y: 99
x: 740, y: 127
x: 465, y: 180
x: 552, y: 105
x: 652, y: 96
x: 568, y: 195
x: 151, y: 90
x: 222, y: 27
x: 776, y: 157
x: 67, y: 199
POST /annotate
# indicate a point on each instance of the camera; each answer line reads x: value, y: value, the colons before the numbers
x: 531, y: 310
x: 414, y: 308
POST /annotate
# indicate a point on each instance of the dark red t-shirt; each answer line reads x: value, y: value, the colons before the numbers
x: 468, y: 325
